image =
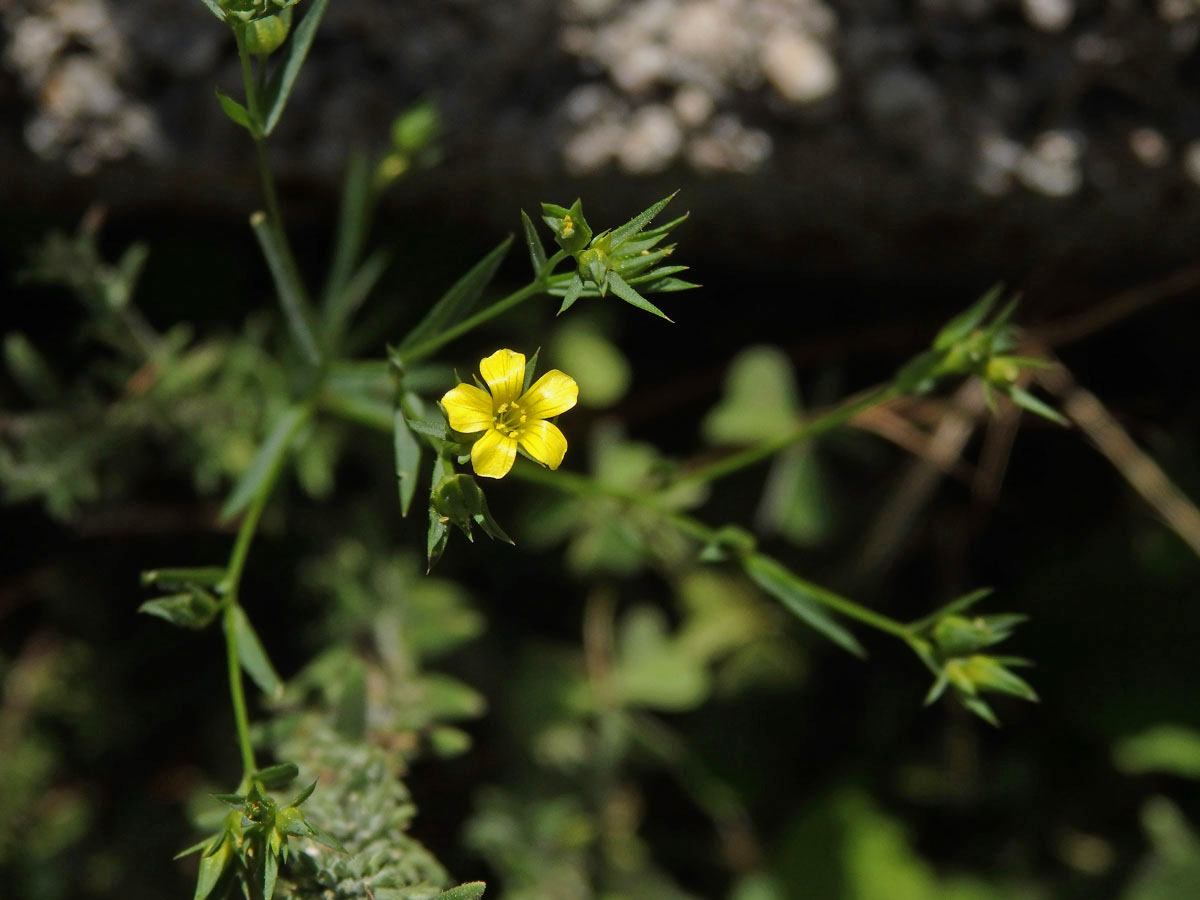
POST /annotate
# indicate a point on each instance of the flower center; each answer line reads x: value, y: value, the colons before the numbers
x: 510, y: 419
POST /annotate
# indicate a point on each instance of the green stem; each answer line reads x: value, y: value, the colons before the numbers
x: 237, y: 694
x: 296, y: 307
x: 427, y: 347
x: 580, y: 485
x: 232, y: 583
x: 805, y: 431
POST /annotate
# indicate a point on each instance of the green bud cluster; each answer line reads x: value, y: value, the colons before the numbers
x: 625, y: 260
x: 970, y: 345
x: 254, y: 835
x: 950, y: 644
x: 252, y: 10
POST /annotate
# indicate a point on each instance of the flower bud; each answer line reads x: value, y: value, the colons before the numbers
x: 264, y: 36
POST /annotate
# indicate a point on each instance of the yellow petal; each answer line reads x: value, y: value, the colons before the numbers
x: 504, y: 372
x: 468, y: 408
x: 493, y: 454
x: 550, y: 395
x: 545, y: 443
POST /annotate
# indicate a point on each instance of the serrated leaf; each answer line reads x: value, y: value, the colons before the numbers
x: 193, y: 609
x: 291, y: 59
x: 459, y: 300
x: 1032, y: 404
x: 268, y: 456
x: 799, y: 596
x: 408, y: 459
x: 634, y: 225
x: 254, y: 657
x: 619, y: 287
x: 236, y: 112
x: 537, y: 252
x: 472, y: 890
x: 966, y: 322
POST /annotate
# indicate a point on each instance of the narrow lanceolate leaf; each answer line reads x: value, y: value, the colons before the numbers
x: 472, y: 890
x: 254, y: 657
x: 292, y: 297
x: 268, y: 457
x: 458, y: 301
x: 531, y: 370
x: 408, y: 459
x: 236, y: 112
x: 214, y: 9
x: 292, y: 55
x: 181, y: 579
x: 191, y: 609
x: 618, y: 286
x: 343, y: 305
x: 211, y: 868
x: 537, y: 252
x: 799, y: 596
x: 353, y: 217
x: 965, y: 322
x: 574, y: 290
x: 954, y: 607
x: 270, y: 874
x: 1032, y: 404
x: 634, y: 225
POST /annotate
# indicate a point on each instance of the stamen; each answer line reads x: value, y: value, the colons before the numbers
x: 512, y: 434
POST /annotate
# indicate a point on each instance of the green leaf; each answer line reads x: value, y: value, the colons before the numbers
x: 437, y: 538
x: 321, y: 836
x: 211, y: 869
x: 958, y: 605
x: 619, y: 287
x: 263, y: 467
x: 459, y: 300
x: 801, y: 597
x: 530, y: 370
x: 202, y: 844
x: 537, y: 252
x: 194, y: 609
x: 254, y: 657
x: 472, y: 890
x: 1028, y: 402
x: 236, y: 112
x: 966, y: 322
x: 270, y: 874
x: 1171, y: 749
x: 292, y: 296
x: 634, y: 225
x: 233, y: 801
x: 283, y: 79
x: 342, y: 306
x: 574, y: 290
x: 353, y: 218
x: 30, y: 370
x: 303, y: 795
x: 214, y: 9
x: 182, y: 579
x: 760, y: 401
x: 979, y: 707
x: 408, y: 459
x: 275, y: 777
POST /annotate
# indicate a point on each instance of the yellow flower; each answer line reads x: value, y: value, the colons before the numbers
x: 509, y: 418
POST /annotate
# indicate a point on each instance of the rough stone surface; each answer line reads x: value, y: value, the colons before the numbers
x: 881, y: 115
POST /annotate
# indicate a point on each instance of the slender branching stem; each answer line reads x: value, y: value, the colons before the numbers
x: 504, y: 304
